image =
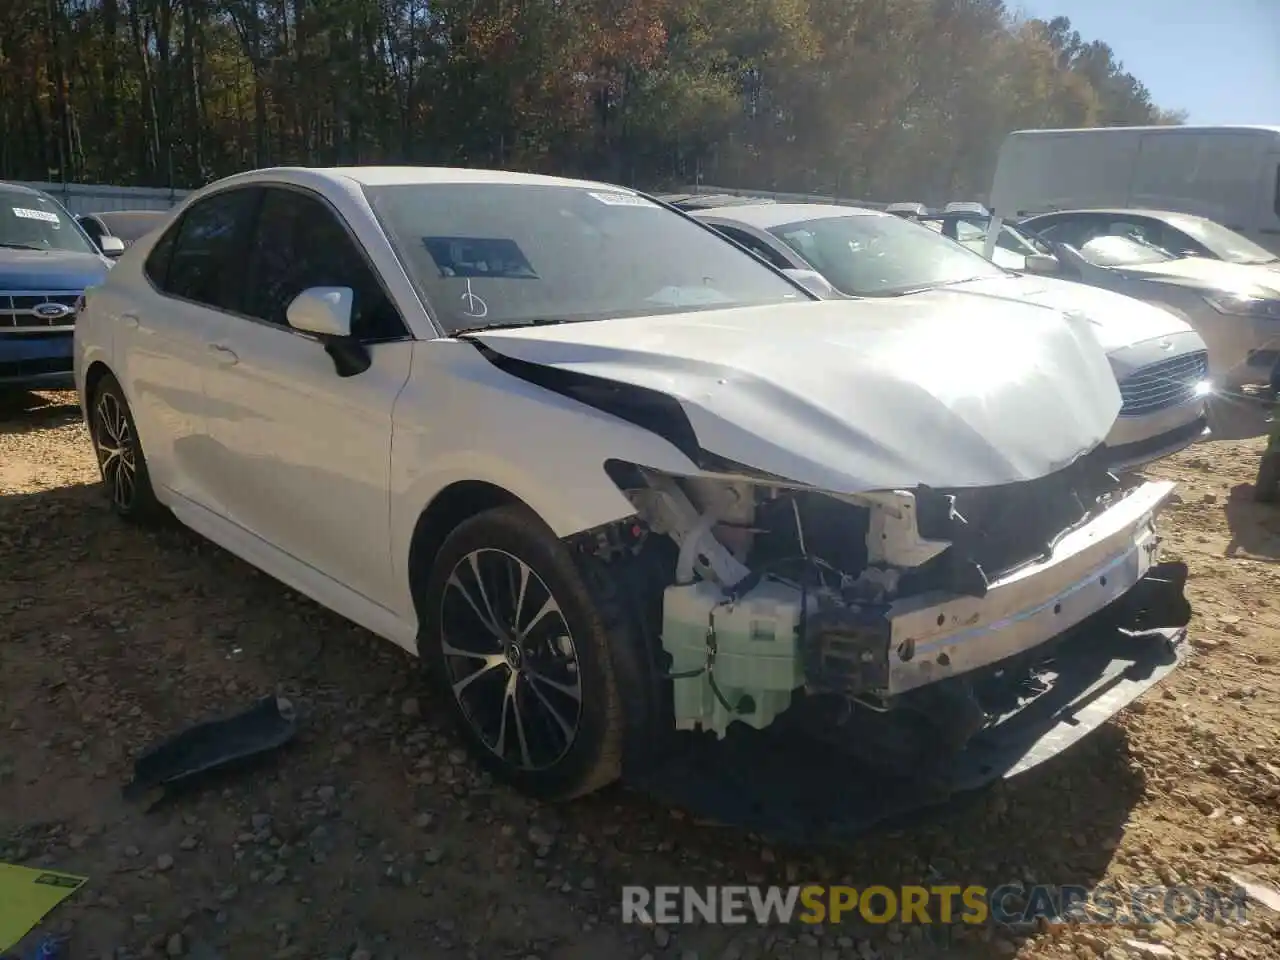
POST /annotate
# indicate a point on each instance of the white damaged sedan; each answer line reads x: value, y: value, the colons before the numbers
x: 615, y: 480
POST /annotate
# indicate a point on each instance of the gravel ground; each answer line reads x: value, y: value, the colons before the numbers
x: 372, y: 836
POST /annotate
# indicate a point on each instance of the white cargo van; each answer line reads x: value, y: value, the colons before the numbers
x: 1228, y: 174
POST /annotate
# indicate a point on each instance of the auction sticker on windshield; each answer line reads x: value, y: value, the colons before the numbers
x: 27, y: 214
x: 622, y: 199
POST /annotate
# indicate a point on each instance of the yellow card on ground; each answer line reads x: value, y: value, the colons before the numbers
x: 26, y: 895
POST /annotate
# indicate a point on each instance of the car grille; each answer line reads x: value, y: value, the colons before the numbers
x: 22, y: 309
x: 1164, y: 384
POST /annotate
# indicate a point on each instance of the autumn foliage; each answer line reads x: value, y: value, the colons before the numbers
x: 897, y: 99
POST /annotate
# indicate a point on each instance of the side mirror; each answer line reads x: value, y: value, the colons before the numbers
x: 1042, y: 264
x: 326, y: 313
x: 815, y: 283
x: 110, y: 246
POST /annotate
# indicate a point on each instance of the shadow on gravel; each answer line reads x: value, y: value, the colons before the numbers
x: 1255, y: 527
x: 22, y: 410
x: 1238, y: 418
x: 118, y: 637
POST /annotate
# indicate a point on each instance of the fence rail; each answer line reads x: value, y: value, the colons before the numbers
x: 97, y: 197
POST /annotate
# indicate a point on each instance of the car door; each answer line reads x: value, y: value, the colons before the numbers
x: 305, y: 452
x: 162, y: 336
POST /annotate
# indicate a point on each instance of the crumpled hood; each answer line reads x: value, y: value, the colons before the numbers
x: 939, y: 388
x: 39, y: 271
x: 1119, y: 321
x: 1203, y: 273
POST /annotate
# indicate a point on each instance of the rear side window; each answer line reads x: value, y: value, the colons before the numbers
x: 206, y: 263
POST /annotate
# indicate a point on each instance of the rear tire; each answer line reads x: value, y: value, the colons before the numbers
x: 518, y: 645
x: 121, y: 462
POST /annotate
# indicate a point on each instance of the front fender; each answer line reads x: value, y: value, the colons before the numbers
x: 459, y: 418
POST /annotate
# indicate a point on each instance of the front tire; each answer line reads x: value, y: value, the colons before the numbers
x: 518, y: 646
x: 121, y: 462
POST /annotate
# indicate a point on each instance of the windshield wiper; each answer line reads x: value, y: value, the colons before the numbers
x: 19, y: 246
x: 512, y: 325
x: 941, y: 283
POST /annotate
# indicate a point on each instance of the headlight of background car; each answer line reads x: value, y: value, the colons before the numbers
x: 1245, y: 306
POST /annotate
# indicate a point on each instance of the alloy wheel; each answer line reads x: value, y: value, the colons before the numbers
x: 511, y: 659
x: 114, y: 442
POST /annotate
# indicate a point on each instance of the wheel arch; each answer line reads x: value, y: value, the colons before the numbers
x: 93, y: 375
x: 452, y: 506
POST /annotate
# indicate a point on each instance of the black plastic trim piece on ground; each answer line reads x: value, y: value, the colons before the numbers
x: 213, y: 745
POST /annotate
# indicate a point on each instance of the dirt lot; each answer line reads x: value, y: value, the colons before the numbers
x: 373, y: 837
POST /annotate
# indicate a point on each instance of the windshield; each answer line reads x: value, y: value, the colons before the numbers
x: 33, y: 221
x: 870, y: 255
x: 484, y: 254
x: 1222, y: 243
x: 1122, y: 252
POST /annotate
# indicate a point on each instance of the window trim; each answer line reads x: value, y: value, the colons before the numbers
x: 1275, y: 203
x: 261, y: 186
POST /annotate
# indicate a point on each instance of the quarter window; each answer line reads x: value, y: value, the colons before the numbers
x: 301, y: 243
x: 206, y: 263
x: 157, y: 264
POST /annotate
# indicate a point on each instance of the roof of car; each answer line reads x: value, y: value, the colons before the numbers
x: 707, y: 201
x: 767, y: 215
x: 1122, y: 212
x: 19, y: 188
x: 384, y: 176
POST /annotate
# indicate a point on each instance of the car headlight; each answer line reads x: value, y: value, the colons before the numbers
x: 1245, y: 306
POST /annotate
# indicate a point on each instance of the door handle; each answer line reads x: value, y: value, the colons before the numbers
x: 224, y: 354
x: 129, y: 320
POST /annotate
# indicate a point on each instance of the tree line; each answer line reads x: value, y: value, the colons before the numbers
x: 885, y: 99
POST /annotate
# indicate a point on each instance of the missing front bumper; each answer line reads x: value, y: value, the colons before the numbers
x: 787, y: 785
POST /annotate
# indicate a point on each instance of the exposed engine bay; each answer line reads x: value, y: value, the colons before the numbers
x: 896, y: 625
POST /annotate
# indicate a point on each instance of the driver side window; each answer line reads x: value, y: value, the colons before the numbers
x: 744, y: 239
x: 1073, y: 232
x: 300, y: 243
x: 94, y: 229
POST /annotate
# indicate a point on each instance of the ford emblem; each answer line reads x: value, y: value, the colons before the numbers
x: 52, y: 311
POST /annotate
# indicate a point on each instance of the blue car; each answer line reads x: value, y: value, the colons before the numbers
x: 46, y: 262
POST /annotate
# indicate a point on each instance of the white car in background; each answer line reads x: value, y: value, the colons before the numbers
x: 614, y: 478
x: 1179, y: 234
x: 1160, y: 362
x: 1231, y: 297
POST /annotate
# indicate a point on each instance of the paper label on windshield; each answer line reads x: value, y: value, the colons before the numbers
x: 621, y: 199
x: 26, y: 214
